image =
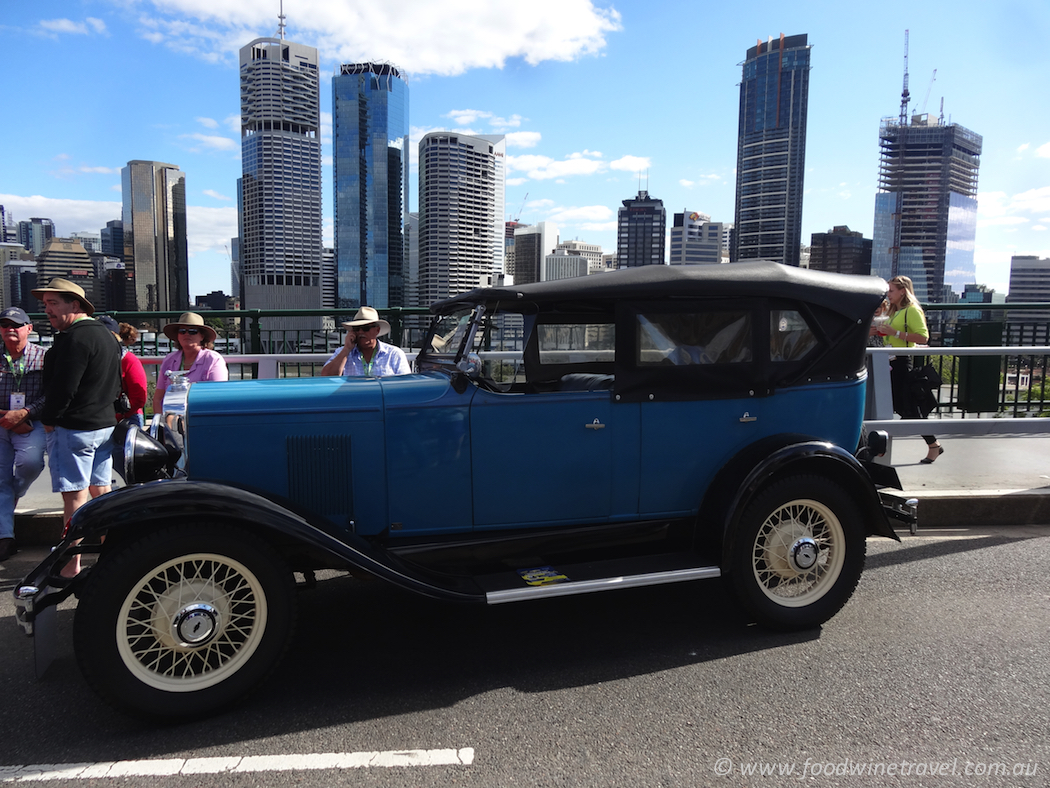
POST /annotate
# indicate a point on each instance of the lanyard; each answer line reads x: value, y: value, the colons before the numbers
x: 18, y: 371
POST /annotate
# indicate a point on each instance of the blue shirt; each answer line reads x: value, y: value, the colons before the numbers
x: 386, y: 360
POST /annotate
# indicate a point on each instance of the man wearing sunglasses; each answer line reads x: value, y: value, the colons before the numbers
x: 22, y: 437
x: 363, y: 354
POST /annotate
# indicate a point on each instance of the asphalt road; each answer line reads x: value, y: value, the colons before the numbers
x: 936, y: 673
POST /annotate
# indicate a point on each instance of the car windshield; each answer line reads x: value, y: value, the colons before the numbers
x: 448, y: 333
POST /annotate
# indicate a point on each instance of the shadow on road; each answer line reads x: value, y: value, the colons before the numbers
x: 365, y: 651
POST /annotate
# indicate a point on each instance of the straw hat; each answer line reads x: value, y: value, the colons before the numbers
x: 366, y: 315
x: 190, y: 320
x: 60, y: 285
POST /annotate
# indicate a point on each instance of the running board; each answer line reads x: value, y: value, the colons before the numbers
x: 566, y: 587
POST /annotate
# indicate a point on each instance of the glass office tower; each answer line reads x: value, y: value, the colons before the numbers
x: 370, y: 141
x: 156, y: 256
x: 926, y: 208
x: 771, y: 151
x: 280, y: 194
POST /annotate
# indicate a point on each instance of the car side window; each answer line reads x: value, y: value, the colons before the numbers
x: 687, y: 338
x: 790, y: 337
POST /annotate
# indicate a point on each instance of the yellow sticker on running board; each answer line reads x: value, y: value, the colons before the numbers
x: 542, y: 576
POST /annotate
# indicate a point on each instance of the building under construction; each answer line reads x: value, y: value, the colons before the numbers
x: 926, y: 208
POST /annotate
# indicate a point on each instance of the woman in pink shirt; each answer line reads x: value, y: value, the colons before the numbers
x: 195, y: 354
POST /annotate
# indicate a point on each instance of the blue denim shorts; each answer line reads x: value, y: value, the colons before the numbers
x: 79, y: 459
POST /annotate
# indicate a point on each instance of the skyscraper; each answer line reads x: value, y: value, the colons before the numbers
x: 280, y: 187
x: 926, y: 208
x: 67, y: 258
x: 840, y: 250
x: 462, y: 185
x: 113, y: 239
x: 156, y: 257
x: 641, y: 226
x: 771, y: 151
x: 370, y: 137
x: 532, y: 244
x: 696, y: 240
x: 35, y: 234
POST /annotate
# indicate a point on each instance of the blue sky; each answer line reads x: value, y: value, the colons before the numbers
x: 588, y: 93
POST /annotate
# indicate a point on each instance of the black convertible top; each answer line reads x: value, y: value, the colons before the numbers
x: 850, y: 295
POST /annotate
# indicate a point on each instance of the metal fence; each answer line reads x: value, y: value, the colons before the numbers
x: 997, y: 380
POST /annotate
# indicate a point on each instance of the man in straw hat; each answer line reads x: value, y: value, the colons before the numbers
x: 81, y: 383
x: 363, y: 354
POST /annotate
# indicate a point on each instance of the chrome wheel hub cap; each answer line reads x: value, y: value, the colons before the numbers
x: 195, y: 624
x: 803, y: 554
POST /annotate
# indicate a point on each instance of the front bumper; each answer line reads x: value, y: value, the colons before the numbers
x: 44, y: 587
x: 903, y: 510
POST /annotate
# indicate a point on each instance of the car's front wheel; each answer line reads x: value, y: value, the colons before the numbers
x: 799, y: 552
x: 184, y: 621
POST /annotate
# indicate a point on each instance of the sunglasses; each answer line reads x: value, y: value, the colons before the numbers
x: 9, y: 324
x: 190, y: 331
x: 363, y: 329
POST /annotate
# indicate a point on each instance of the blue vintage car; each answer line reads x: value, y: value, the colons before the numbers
x: 639, y: 427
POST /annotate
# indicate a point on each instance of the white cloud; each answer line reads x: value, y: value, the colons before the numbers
x: 543, y: 168
x: 68, y: 215
x: 209, y: 229
x: 99, y: 170
x: 54, y: 27
x: 210, y: 142
x: 209, y: 123
x: 1002, y: 221
x: 233, y: 123
x: 631, y: 163
x: 599, y: 227
x: 420, y: 36
x: 466, y: 117
x: 516, y: 181
x: 586, y: 213
x: 1043, y: 151
x: 686, y: 184
x: 216, y: 195
x: 523, y: 139
x: 1022, y: 148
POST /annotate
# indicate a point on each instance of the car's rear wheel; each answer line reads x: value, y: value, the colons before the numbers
x: 799, y: 552
x: 184, y: 621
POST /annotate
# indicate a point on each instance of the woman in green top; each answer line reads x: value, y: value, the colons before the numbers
x: 906, y: 328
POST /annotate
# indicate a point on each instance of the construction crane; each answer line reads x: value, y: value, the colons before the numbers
x: 932, y: 80
x: 905, y: 96
x: 522, y: 208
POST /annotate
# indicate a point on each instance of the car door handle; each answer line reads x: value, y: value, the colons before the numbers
x: 595, y: 425
x: 747, y: 417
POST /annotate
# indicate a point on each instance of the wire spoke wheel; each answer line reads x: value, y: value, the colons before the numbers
x: 184, y: 621
x: 191, y: 621
x: 798, y: 553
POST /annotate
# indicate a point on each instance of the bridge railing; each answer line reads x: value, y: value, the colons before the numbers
x: 1018, y: 404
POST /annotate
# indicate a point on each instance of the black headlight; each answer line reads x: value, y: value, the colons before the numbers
x: 139, y: 457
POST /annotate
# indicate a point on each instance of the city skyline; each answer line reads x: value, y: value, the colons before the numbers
x: 564, y: 84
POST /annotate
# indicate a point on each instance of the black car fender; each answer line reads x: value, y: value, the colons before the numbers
x: 308, y: 540
x: 768, y: 460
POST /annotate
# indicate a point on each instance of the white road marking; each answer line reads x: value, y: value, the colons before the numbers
x: 251, y: 763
